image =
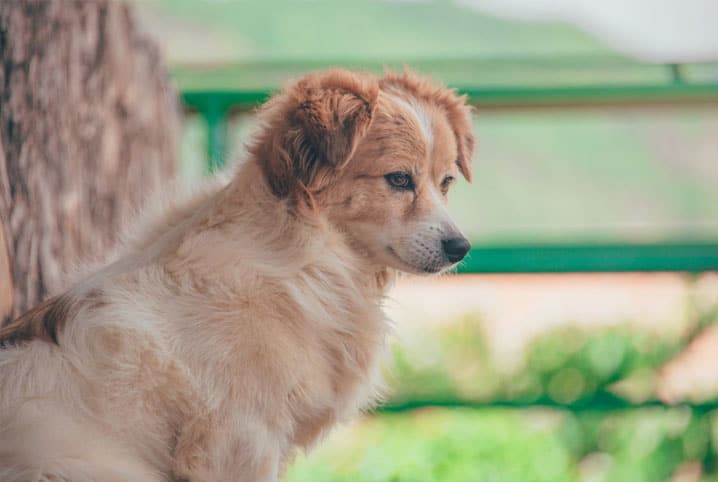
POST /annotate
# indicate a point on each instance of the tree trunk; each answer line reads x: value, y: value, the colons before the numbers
x: 88, y: 125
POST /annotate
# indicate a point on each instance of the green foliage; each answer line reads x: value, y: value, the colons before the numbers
x: 505, y: 445
x: 572, y: 367
x: 612, y: 366
x: 445, y: 445
x: 600, y: 439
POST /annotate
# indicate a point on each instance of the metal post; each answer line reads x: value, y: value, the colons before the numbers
x: 215, y: 115
x: 677, y: 73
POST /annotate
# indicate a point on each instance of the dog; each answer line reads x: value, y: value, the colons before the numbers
x: 239, y: 325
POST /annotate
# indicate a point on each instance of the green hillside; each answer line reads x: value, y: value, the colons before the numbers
x: 342, y: 30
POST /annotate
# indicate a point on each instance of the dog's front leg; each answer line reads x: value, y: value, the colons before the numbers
x: 228, y: 448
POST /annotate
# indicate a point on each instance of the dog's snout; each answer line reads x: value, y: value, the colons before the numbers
x: 455, y: 248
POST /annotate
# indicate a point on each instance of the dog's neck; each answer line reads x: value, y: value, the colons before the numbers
x: 289, y: 230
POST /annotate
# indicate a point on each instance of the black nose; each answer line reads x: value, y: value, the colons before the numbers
x: 456, y: 248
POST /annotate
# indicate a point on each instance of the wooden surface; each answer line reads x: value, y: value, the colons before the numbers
x: 88, y: 126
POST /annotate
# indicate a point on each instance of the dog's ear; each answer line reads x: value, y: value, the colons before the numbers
x: 459, y: 114
x: 462, y: 124
x: 312, y: 129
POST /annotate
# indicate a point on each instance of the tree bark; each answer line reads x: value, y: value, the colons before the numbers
x: 88, y: 125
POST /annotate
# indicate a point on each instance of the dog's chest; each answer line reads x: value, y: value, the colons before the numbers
x: 348, y: 331
x: 302, y: 350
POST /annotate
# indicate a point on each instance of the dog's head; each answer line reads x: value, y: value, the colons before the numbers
x: 378, y: 156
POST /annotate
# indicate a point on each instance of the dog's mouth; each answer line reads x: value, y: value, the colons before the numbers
x: 426, y: 269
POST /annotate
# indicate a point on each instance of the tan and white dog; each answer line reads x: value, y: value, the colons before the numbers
x: 241, y: 324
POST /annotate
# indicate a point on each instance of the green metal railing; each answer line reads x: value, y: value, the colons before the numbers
x: 686, y: 257
x: 596, y: 404
x: 215, y: 105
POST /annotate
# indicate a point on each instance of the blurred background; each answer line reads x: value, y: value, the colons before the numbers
x: 597, y: 126
x: 578, y: 342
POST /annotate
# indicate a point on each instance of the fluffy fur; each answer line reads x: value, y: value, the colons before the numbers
x: 241, y: 324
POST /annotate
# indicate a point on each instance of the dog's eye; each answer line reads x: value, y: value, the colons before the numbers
x: 446, y: 183
x: 399, y: 180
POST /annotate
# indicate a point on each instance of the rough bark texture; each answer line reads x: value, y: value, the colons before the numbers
x: 88, y: 125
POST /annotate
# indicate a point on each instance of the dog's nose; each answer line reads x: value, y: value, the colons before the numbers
x: 456, y: 248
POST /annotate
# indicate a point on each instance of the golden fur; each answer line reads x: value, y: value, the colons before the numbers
x: 241, y: 324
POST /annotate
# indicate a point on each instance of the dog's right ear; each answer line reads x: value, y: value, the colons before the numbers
x: 312, y: 130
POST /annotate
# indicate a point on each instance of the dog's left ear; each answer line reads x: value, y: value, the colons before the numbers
x: 333, y: 114
x: 461, y: 121
x: 314, y: 128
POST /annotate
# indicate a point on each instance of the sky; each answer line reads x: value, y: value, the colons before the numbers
x: 665, y: 31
